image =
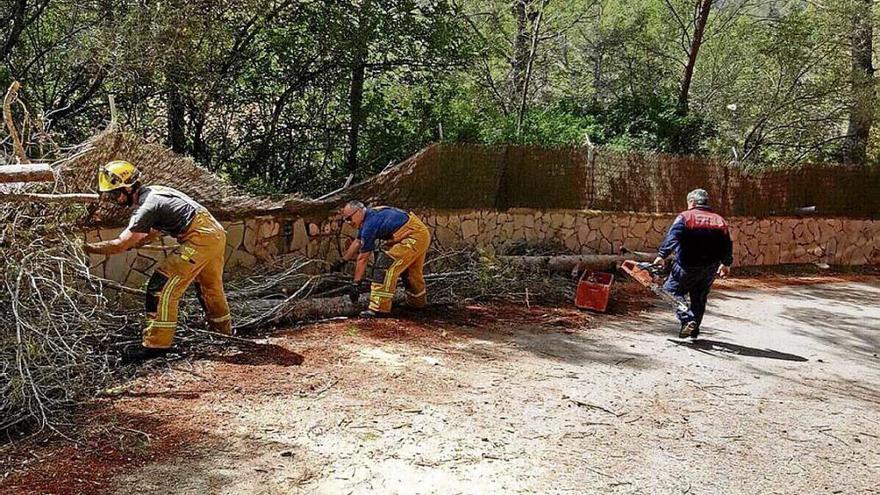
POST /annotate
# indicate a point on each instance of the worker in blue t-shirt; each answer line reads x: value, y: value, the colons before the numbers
x: 406, y: 241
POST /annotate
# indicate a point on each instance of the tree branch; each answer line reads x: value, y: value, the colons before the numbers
x: 11, y: 95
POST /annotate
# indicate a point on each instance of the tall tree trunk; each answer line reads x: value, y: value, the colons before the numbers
x: 521, y: 41
x: 176, y: 109
x: 861, y: 115
x: 705, y: 6
x: 200, y: 150
x: 356, y: 99
x: 598, y: 50
x: 356, y: 91
x: 17, y: 18
x: 533, y: 46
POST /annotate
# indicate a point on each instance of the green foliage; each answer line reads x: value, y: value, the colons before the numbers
x: 261, y: 89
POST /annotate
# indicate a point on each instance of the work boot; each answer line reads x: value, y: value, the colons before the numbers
x: 695, y: 332
x: 139, y: 353
x: 687, y: 329
x: 369, y: 313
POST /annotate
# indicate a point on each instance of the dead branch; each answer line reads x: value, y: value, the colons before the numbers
x: 44, y: 198
x: 11, y: 95
x: 110, y: 284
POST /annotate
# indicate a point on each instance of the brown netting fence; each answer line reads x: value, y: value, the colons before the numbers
x: 512, y: 176
x: 466, y: 176
x: 653, y: 182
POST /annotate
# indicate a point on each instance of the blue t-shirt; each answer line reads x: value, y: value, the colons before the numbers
x: 380, y: 223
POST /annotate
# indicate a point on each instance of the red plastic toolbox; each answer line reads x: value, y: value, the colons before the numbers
x: 593, y: 291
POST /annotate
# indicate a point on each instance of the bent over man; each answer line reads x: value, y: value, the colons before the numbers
x: 406, y: 243
x: 700, y: 240
x: 199, y: 256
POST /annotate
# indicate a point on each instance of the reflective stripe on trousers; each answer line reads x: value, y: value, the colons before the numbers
x: 200, y: 258
x: 409, y: 246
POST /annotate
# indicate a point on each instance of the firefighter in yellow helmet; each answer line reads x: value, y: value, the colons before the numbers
x: 406, y: 241
x: 198, y: 258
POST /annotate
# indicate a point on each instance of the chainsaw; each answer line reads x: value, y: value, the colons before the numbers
x: 651, y: 276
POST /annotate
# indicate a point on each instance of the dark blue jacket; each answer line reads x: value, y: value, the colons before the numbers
x: 699, y: 238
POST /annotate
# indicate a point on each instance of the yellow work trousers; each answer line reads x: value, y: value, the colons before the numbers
x: 198, y: 258
x: 407, y: 249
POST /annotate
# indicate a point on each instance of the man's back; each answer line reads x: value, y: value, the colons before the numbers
x: 164, y: 209
x: 703, y: 238
x: 380, y: 223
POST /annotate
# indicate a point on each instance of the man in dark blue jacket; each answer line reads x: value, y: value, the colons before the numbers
x: 700, y: 240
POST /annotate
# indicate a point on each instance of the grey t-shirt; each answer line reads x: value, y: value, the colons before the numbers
x: 165, y: 209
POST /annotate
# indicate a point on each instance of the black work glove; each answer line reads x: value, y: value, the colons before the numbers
x: 354, y: 292
x: 337, y: 266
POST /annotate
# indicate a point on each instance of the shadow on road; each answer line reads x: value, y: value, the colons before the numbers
x: 707, y: 346
x: 844, y: 331
x: 260, y: 355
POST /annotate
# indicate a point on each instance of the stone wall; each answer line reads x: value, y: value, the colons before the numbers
x: 765, y: 241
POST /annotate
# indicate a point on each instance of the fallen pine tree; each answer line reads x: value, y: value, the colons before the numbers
x: 287, y: 295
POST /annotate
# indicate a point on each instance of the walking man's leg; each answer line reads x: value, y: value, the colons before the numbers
x: 699, y: 294
x: 677, y: 285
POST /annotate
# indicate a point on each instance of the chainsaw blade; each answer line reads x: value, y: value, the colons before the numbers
x: 650, y: 276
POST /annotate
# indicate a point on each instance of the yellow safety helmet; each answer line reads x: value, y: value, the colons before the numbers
x: 116, y: 175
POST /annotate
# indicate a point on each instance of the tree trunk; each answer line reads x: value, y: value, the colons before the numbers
x: 597, y: 52
x: 533, y: 46
x: 521, y: 42
x: 705, y: 7
x: 176, y: 111
x: 356, y: 99
x: 19, y: 16
x: 47, y: 198
x: 304, y: 310
x: 861, y: 115
x: 17, y: 146
x: 565, y: 263
x: 200, y: 150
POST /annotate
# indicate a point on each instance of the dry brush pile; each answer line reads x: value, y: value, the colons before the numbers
x: 57, y: 327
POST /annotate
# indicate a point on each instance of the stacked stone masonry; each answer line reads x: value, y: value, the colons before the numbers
x: 766, y: 241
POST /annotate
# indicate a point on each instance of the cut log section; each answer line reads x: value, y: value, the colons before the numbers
x: 305, y: 310
x: 39, y: 172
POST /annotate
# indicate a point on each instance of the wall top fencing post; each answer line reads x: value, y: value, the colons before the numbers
x: 589, y: 173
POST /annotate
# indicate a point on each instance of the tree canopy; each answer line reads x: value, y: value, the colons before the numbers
x: 293, y: 95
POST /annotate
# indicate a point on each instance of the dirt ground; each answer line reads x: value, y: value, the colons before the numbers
x: 781, y: 394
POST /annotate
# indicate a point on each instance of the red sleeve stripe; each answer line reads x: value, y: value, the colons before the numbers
x: 701, y: 219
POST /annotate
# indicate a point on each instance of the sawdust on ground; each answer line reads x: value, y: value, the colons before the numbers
x: 776, y: 398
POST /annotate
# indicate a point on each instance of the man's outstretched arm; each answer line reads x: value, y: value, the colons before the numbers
x: 126, y: 240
